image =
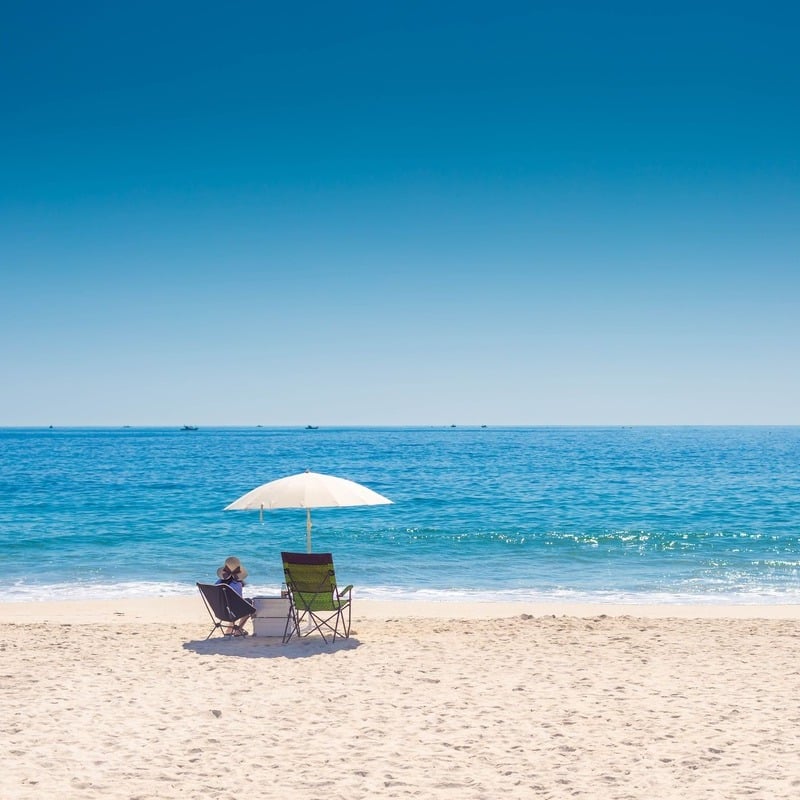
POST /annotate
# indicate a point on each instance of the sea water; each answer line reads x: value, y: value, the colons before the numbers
x: 622, y: 514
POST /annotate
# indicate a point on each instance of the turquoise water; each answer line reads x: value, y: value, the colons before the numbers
x: 615, y: 514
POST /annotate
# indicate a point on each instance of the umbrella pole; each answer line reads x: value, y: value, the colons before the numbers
x: 308, y: 530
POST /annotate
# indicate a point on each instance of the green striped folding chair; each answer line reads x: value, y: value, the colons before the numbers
x: 316, y: 599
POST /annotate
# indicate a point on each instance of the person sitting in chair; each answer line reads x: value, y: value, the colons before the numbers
x: 233, y: 574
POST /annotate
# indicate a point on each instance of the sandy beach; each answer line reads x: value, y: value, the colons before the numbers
x: 126, y: 699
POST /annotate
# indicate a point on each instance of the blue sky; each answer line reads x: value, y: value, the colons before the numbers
x: 399, y: 213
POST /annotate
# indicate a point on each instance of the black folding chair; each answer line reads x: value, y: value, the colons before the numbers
x: 311, y: 581
x: 226, y: 608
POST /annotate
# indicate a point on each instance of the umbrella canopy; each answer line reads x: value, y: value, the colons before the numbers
x: 307, y: 490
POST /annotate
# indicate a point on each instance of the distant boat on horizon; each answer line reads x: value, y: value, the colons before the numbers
x: 312, y: 427
x: 189, y: 428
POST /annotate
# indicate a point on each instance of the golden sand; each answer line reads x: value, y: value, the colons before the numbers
x: 127, y: 699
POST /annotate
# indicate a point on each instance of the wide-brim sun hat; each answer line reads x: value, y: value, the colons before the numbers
x: 232, y: 568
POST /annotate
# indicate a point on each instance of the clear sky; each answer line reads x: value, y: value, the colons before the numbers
x: 399, y: 213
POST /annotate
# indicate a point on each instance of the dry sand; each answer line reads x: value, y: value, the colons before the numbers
x: 126, y: 700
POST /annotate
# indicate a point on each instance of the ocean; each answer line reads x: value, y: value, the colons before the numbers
x: 596, y: 514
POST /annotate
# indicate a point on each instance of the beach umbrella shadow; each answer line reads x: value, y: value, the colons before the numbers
x: 268, y: 647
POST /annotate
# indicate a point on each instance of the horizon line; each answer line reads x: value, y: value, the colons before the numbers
x: 395, y: 426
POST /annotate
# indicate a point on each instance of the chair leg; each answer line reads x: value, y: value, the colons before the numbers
x: 345, y: 624
x: 292, y: 627
x: 216, y: 626
x: 349, y: 620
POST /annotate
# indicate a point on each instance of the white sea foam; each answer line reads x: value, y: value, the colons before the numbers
x: 25, y: 592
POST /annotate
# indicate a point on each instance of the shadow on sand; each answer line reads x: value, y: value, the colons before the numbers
x: 268, y: 647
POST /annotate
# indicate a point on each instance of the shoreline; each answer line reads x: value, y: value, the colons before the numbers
x: 190, y: 609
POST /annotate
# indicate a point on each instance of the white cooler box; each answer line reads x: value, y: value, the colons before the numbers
x: 271, y: 614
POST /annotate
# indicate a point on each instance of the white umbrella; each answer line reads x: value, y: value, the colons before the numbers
x: 307, y: 490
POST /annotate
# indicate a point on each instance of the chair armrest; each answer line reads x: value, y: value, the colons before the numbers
x: 347, y: 589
